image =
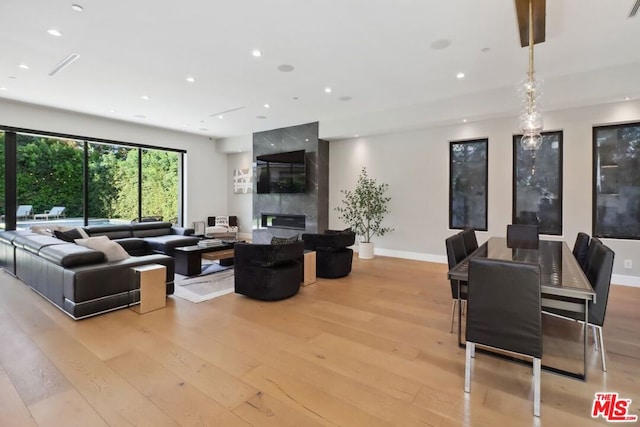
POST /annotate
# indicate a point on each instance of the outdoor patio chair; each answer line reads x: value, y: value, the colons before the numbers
x: 24, y: 211
x: 55, y: 212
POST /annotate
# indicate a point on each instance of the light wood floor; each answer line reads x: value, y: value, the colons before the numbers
x: 372, y: 349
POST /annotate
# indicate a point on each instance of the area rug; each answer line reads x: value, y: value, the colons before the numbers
x: 214, y: 281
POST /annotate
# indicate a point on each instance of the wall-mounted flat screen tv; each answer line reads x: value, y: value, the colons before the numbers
x: 281, y: 172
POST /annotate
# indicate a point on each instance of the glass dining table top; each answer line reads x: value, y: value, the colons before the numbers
x: 561, y: 274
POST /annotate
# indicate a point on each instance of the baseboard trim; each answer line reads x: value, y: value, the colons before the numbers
x: 616, y: 279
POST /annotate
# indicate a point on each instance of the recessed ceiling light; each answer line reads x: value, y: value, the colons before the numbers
x: 267, y: 106
x: 440, y: 44
x: 13, y: 77
x: 464, y: 121
x: 221, y: 116
x: 285, y: 68
x: 327, y: 89
x: 460, y: 75
x: 77, y: 8
x: 145, y: 97
x: 140, y: 116
x: 256, y: 53
x: 3, y: 88
x: 23, y: 66
x: 295, y: 98
x: 345, y: 98
x: 306, y: 140
x: 54, y: 32
x: 261, y: 117
x: 272, y: 144
x: 485, y: 49
x: 112, y: 111
x: 184, y: 126
x: 356, y: 135
x: 627, y: 98
x: 190, y: 79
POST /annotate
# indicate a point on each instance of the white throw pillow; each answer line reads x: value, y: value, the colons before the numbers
x: 111, y: 250
x: 222, y: 220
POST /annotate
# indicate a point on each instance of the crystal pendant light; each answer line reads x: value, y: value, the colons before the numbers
x: 530, y: 90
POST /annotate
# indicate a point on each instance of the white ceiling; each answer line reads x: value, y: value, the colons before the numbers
x: 376, y: 52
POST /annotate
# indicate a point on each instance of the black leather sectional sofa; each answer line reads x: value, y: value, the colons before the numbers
x: 80, y: 281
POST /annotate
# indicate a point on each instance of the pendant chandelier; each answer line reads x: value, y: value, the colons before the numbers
x: 530, y: 91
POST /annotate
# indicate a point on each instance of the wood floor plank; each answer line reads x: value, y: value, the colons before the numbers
x: 13, y: 411
x: 368, y: 398
x: 267, y: 411
x: 117, y: 402
x: 320, y: 406
x: 179, y: 399
x: 221, y: 386
x: 30, y: 370
x: 66, y: 410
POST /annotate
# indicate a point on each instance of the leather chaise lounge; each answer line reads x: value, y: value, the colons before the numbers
x: 81, y: 281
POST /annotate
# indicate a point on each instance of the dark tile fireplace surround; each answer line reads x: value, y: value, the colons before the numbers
x: 287, y: 215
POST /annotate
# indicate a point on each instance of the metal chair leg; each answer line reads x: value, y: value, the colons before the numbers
x: 453, y: 313
x: 595, y: 336
x: 467, y: 367
x: 602, y: 353
x: 536, y: 387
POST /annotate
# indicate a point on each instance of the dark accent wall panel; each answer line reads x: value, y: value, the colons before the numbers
x: 314, y: 202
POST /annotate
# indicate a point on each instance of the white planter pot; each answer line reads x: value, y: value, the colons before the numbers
x: 365, y: 250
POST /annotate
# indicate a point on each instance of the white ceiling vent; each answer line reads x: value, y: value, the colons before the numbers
x: 64, y: 64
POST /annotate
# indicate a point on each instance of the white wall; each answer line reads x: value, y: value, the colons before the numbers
x: 205, y: 168
x: 240, y: 205
x: 415, y: 165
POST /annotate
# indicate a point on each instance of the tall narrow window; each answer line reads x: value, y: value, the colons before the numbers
x: 537, y: 184
x: 468, y: 184
x: 616, y: 181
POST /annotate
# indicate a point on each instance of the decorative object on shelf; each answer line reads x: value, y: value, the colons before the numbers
x: 242, y: 183
x: 364, y: 209
x: 530, y: 90
x: 198, y: 228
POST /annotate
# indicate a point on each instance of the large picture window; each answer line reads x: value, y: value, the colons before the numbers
x: 468, y: 184
x: 616, y: 181
x: 537, y: 184
x: 71, y: 180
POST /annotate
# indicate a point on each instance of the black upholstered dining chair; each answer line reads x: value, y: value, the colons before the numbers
x: 599, y: 273
x: 590, y: 251
x: 455, y: 253
x: 580, y: 247
x: 521, y: 236
x: 470, y: 240
x: 504, y: 312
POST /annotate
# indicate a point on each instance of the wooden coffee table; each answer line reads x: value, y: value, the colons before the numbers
x: 188, y: 259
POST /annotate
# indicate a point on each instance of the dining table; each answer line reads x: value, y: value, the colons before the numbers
x: 563, y: 284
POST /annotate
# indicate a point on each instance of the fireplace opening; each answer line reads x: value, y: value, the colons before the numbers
x: 293, y: 222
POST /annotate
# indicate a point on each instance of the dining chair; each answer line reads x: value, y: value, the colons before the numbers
x: 455, y: 253
x: 599, y: 273
x: 470, y: 240
x: 521, y: 236
x: 590, y: 251
x: 504, y: 312
x: 580, y: 247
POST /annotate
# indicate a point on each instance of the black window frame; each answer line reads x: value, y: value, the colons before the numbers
x: 486, y: 182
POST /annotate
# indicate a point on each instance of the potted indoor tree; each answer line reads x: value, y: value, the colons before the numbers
x: 363, y: 209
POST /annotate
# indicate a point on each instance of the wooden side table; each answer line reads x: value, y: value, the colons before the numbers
x: 309, y: 268
x: 153, y: 290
